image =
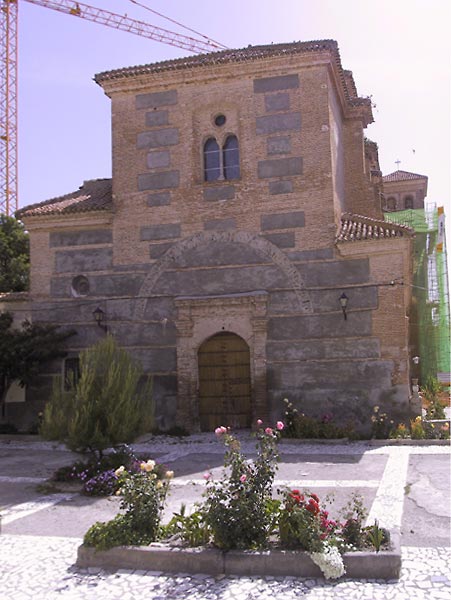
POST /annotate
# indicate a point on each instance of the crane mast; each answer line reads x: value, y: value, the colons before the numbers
x: 8, y: 108
x: 8, y: 57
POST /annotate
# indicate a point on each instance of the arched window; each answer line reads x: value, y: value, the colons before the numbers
x: 408, y: 202
x: 231, y: 158
x: 212, y: 160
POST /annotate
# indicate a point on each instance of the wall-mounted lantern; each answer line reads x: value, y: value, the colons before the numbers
x: 344, y: 303
x: 100, y: 318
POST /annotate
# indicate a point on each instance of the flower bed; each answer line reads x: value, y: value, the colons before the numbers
x: 240, y: 527
x: 212, y: 561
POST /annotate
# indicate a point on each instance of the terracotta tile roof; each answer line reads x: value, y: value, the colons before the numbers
x: 402, y: 176
x: 223, y: 57
x: 242, y: 55
x: 93, y: 195
x: 354, y: 228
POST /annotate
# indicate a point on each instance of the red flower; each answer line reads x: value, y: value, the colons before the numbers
x: 312, y: 506
x: 315, y: 497
x: 296, y: 498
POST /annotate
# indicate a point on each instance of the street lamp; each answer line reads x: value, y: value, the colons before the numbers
x: 100, y: 318
x: 343, y: 299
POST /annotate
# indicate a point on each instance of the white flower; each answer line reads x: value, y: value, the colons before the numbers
x: 147, y: 466
x: 329, y: 561
x: 118, y: 472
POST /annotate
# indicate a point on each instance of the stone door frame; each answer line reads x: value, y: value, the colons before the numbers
x: 201, y: 317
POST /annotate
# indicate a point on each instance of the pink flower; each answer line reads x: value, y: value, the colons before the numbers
x: 268, y: 431
x: 243, y: 478
x: 220, y: 430
x: 207, y: 476
x: 280, y: 425
x: 259, y: 422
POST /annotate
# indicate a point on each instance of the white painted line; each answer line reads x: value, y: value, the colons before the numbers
x: 298, y: 483
x: 19, y: 511
x: 388, y: 505
x: 8, y: 479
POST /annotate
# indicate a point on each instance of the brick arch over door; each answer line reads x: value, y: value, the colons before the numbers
x: 196, y: 241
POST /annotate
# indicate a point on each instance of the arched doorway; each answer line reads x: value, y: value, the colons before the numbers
x: 224, y: 382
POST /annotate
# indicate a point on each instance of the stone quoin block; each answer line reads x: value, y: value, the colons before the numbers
x: 280, y: 187
x: 157, y: 118
x: 280, y: 167
x: 81, y: 261
x: 156, y: 99
x: 160, y: 199
x: 276, y: 102
x: 279, y: 145
x: 220, y: 224
x: 158, y: 159
x: 80, y: 238
x: 225, y: 192
x: 157, y: 250
x: 274, y: 123
x: 158, y: 181
x: 272, y: 84
x: 160, y: 232
x: 282, y: 240
x: 286, y: 220
x: 157, y: 138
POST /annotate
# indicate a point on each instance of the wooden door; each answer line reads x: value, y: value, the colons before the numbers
x: 224, y: 382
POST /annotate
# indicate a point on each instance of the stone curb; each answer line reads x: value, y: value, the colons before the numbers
x: 33, y: 441
x: 211, y: 561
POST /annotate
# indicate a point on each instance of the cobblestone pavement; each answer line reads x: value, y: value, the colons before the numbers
x: 42, y: 568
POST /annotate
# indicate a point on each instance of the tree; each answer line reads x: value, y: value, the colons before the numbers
x: 23, y: 351
x: 106, y: 407
x: 14, y: 255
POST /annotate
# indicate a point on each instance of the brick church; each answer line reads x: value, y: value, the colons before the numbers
x: 239, y: 251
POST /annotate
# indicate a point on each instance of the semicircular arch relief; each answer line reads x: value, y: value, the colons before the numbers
x: 260, y: 244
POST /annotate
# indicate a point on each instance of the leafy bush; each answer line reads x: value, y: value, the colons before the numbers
x: 354, y: 515
x: 239, y: 507
x: 302, y: 523
x: 380, y: 424
x: 300, y: 426
x: 143, y: 496
x: 191, y: 528
x: 416, y: 429
x: 106, y: 408
x: 117, y: 532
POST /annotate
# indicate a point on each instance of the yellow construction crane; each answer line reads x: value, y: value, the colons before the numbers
x: 8, y: 59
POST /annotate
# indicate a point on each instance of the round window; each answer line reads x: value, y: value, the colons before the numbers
x: 80, y: 286
x: 220, y: 120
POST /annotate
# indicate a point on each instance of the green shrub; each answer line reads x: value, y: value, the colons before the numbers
x: 239, y: 507
x: 106, y: 408
x: 300, y: 426
x: 117, y: 532
x: 143, y: 496
x: 191, y: 528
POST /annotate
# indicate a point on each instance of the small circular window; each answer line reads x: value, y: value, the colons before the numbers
x: 220, y: 120
x: 80, y: 286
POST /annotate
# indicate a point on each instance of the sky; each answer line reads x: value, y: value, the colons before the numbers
x: 398, y: 50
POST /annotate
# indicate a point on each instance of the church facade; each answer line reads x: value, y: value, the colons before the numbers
x: 239, y: 251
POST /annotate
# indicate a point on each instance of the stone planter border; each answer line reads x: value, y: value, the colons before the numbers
x: 211, y: 561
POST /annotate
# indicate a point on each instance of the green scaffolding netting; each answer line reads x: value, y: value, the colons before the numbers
x: 430, y: 313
